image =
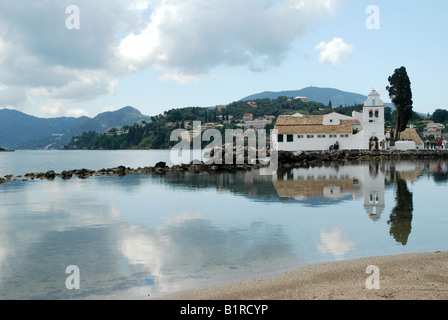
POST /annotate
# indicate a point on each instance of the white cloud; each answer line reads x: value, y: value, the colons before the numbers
x: 40, y: 57
x: 186, y: 40
x: 10, y: 97
x: 41, y: 60
x: 53, y: 109
x: 334, y: 52
x: 86, y: 85
x: 335, y: 242
x: 77, y: 112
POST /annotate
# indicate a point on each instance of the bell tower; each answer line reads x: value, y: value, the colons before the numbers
x: 373, y: 122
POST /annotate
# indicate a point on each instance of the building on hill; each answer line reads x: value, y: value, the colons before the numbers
x: 433, y: 129
x: 304, y: 99
x: 248, y: 117
x: 363, y: 130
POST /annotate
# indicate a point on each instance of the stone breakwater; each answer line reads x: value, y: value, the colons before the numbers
x: 305, y: 159
x: 285, y: 160
x: 159, y: 168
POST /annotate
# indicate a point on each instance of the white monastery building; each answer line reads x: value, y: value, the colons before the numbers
x: 363, y: 130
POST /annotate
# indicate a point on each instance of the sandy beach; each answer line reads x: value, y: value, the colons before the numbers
x: 422, y: 276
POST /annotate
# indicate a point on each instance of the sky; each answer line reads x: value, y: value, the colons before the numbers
x: 84, y: 57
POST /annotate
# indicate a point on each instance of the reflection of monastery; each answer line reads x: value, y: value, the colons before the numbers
x: 366, y: 181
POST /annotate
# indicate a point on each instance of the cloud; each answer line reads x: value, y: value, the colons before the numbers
x: 187, y: 40
x: 42, y: 60
x: 334, y: 52
x: 53, y: 109
x: 77, y: 112
x: 10, y: 96
x: 40, y: 57
x: 335, y: 242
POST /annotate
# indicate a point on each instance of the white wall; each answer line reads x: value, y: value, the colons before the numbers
x: 316, y: 144
x: 404, y: 145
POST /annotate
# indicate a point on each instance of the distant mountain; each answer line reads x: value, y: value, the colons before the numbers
x: 321, y: 95
x: 21, y: 131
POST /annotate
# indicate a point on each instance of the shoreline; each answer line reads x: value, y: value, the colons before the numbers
x: 286, y: 160
x: 415, y: 276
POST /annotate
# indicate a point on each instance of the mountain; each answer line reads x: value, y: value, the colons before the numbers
x: 321, y: 95
x: 21, y: 131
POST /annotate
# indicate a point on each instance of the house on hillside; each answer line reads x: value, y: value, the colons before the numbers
x: 363, y: 130
x: 248, y: 117
x: 433, y: 129
x: 256, y: 124
x: 304, y: 99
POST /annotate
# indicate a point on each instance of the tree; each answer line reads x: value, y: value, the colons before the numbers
x: 440, y: 116
x: 401, y: 95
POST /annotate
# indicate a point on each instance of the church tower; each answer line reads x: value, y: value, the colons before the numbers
x: 373, y: 123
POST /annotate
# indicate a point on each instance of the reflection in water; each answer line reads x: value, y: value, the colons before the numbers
x: 149, y: 234
x: 401, y: 216
x: 335, y: 242
x: 366, y: 180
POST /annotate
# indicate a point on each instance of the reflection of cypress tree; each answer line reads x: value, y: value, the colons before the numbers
x: 401, y: 217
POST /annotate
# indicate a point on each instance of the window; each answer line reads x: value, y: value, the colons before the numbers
x: 344, y: 135
x: 371, y: 113
x: 300, y: 136
x: 324, y: 136
x: 280, y: 138
x: 290, y: 138
x: 310, y: 136
x: 377, y: 113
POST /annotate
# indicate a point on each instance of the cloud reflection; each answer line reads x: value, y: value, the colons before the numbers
x: 335, y: 242
x: 189, y: 250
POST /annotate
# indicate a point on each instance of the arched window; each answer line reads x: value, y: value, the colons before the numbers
x: 377, y: 113
x: 371, y: 113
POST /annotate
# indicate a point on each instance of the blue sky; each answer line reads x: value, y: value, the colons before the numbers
x: 161, y: 54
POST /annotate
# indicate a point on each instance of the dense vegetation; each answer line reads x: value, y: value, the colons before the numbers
x: 155, y: 134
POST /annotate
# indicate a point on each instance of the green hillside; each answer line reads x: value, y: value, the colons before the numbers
x: 21, y: 131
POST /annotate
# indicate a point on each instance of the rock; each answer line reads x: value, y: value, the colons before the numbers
x: 66, y: 175
x: 160, y: 164
x: 83, y: 173
x: 160, y: 170
x: 193, y: 168
x: 50, y: 175
x: 177, y: 169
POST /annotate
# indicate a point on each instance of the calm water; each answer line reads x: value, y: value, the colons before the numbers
x: 144, y: 236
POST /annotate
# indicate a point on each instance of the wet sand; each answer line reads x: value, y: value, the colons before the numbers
x: 422, y: 276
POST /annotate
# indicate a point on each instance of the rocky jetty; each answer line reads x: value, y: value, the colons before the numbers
x: 304, y: 159
x: 285, y: 160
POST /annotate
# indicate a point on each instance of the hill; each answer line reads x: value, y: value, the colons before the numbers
x: 22, y: 131
x: 320, y: 95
